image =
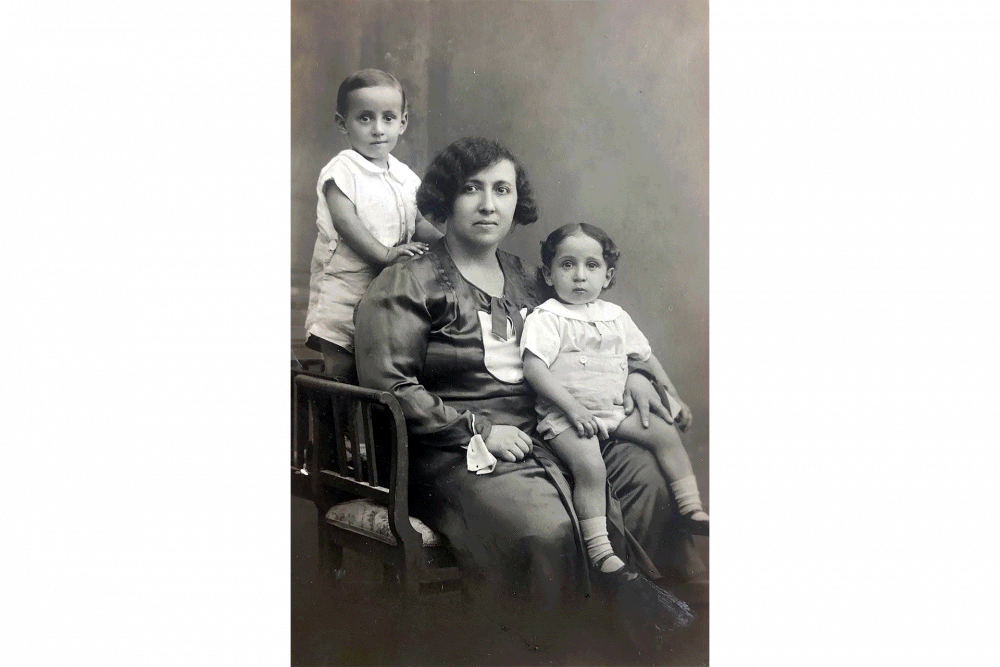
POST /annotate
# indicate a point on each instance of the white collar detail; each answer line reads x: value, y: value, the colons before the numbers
x: 396, y: 168
x: 598, y: 311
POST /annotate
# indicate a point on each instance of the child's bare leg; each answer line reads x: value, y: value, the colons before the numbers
x: 663, y: 440
x: 583, y: 458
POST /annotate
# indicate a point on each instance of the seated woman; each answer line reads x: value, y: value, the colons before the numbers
x: 440, y: 332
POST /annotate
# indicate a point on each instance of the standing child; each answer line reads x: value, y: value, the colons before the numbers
x: 576, y: 349
x: 367, y: 214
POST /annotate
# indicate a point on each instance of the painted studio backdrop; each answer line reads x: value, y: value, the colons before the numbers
x: 606, y: 104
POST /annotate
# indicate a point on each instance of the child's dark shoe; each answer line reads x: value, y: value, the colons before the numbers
x: 695, y: 523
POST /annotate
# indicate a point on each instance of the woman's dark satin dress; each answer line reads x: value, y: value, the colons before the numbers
x: 420, y: 334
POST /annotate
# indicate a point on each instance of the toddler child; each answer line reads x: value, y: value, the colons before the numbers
x: 367, y: 214
x: 575, y: 349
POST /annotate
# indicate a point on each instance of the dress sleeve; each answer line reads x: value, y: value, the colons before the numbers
x: 636, y: 344
x: 541, y: 335
x: 393, y: 322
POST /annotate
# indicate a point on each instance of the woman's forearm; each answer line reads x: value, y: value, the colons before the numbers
x: 661, y: 376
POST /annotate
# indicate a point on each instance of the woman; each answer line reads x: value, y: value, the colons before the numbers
x: 441, y: 333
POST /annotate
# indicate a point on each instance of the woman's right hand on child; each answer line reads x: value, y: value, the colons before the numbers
x: 586, y: 424
x: 508, y: 443
x: 399, y: 252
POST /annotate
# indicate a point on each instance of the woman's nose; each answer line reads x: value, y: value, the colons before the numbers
x: 486, y: 202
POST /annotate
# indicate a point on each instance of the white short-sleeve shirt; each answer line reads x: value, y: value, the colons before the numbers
x: 386, y: 202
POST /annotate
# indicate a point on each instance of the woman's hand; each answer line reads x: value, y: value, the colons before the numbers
x: 508, y: 443
x: 399, y: 252
x: 585, y: 423
x: 685, y: 418
x: 640, y: 393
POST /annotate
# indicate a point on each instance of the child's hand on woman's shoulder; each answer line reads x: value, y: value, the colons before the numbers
x: 405, y: 251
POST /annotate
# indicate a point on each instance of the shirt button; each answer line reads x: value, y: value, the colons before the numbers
x: 583, y: 360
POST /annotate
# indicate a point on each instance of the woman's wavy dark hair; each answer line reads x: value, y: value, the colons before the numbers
x: 460, y: 161
x: 550, y: 246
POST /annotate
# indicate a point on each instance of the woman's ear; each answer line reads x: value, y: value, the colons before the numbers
x: 341, y: 123
x: 607, y: 278
x: 547, y: 275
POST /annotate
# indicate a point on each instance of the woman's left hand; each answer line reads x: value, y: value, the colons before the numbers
x: 685, y: 418
x: 641, y: 394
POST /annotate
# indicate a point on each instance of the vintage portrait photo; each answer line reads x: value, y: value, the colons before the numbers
x: 499, y: 219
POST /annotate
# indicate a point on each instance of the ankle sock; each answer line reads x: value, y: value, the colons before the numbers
x: 686, y: 493
x: 595, y: 538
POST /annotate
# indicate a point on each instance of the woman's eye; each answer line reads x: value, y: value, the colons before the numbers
x: 469, y: 187
x: 567, y: 265
x: 593, y: 266
x: 503, y: 189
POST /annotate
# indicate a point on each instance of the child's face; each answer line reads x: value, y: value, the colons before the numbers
x: 578, y: 273
x: 374, y: 121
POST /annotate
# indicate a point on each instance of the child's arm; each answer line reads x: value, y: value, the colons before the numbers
x: 545, y: 385
x: 356, y: 235
x: 425, y: 231
x: 684, y: 419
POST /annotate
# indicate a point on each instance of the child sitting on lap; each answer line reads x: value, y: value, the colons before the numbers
x: 575, y: 349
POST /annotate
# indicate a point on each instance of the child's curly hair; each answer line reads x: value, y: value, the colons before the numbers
x: 551, y: 245
x: 458, y: 162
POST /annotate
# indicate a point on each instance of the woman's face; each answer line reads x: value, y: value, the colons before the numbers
x: 484, y: 207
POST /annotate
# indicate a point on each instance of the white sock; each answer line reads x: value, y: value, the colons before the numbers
x: 686, y: 493
x: 595, y: 538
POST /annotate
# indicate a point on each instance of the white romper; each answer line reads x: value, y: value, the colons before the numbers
x: 587, y: 348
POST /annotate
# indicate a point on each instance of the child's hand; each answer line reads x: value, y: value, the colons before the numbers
x: 585, y: 423
x: 399, y: 252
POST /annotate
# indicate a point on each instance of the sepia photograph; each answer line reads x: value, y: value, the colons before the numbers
x: 499, y: 332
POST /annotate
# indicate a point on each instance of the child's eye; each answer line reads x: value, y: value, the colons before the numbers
x: 365, y: 117
x: 593, y: 265
x: 389, y: 118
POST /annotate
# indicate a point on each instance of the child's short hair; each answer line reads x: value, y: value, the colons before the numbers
x: 551, y: 245
x: 367, y: 78
x: 448, y: 172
